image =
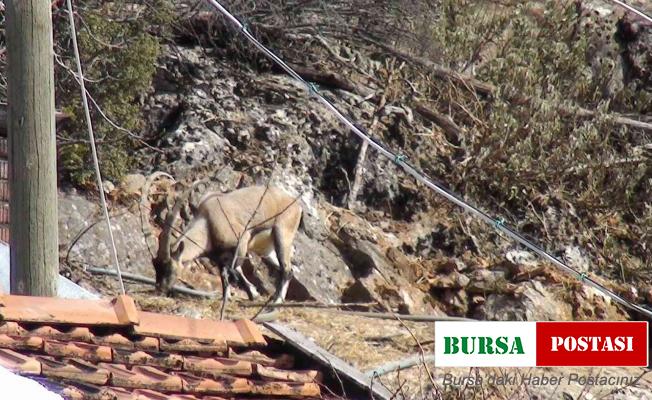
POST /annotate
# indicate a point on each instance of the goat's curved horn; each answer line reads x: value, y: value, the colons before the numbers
x: 145, y: 208
x: 165, y: 238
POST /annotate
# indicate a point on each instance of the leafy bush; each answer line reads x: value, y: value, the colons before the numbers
x: 119, y: 53
x: 526, y: 153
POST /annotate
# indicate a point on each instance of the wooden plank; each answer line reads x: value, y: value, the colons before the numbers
x: 176, y: 327
x: 125, y: 309
x: 329, y: 361
x: 60, y: 311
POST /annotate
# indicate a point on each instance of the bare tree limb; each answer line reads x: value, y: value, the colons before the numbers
x: 490, y: 90
x: 401, y: 364
x: 445, y: 122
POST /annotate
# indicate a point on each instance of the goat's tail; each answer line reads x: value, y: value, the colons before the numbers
x: 302, y: 225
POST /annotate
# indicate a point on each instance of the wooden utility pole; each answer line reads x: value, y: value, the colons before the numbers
x: 32, y: 148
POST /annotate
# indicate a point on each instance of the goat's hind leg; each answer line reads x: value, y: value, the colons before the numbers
x: 226, y: 290
x: 283, y: 249
x: 236, y: 265
x: 252, y: 292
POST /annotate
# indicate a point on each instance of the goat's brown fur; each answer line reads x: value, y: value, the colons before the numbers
x: 224, y: 222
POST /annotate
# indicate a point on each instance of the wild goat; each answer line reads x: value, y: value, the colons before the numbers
x: 258, y: 219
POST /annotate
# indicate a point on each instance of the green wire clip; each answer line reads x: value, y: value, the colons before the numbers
x: 399, y: 158
x: 245, y: 26
x: 313, y: 88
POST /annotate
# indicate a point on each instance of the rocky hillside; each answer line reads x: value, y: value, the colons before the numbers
x: 536, y: 112
x: 528, y: 111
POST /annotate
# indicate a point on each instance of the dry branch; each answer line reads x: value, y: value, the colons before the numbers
x: 362, y: 157
x: 401, y: 364
x: 151, y: 281
x: 438, y: 70
x: 616, y: 118
x: 358, y: 174
x: 308, y: 304
x: 445, y: 122
x: 405, y: 317
x: 331, y: 80
x: 490, y: 90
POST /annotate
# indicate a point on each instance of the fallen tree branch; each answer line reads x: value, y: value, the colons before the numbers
x: 362, y: 157
x: 399, y: 365
x: 150, y: 281
x: 618, y: 119
x: 331, y: 80
x: 405, y: 317
x: 309, y: 304
x: 445, y: 122
x: 490, y: 90
x: 438, y: 70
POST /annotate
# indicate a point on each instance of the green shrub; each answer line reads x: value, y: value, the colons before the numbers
x: 119, y: 55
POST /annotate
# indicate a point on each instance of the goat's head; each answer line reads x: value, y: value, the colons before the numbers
x: 165, y: 274
x: 166, y: 267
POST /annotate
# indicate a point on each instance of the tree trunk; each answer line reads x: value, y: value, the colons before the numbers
x: 32, y: 148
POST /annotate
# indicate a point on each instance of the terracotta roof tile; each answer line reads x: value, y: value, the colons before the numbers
x: 92, y: 392
x: 271, y: 373
x: 285, y: 361
x: 31, y: 343
x: 217, y: 366
x: 118, y: 394
x: 139, y: 357
x: 73, y: 369
x: 146, y: 343
x: 17, y: 362
x: 12, y: 329
x: 76, y: 333
x: 117, y: 340
x: 220, y: 385
x: 4, y: 190
x: 111, y: 350
x: 4, y: 213
x: 85, y: 351
x: 287, y: 389
x: 192, y: 346
x: 81, y: 392
x: 139, y: 377
x: 152, y: 395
